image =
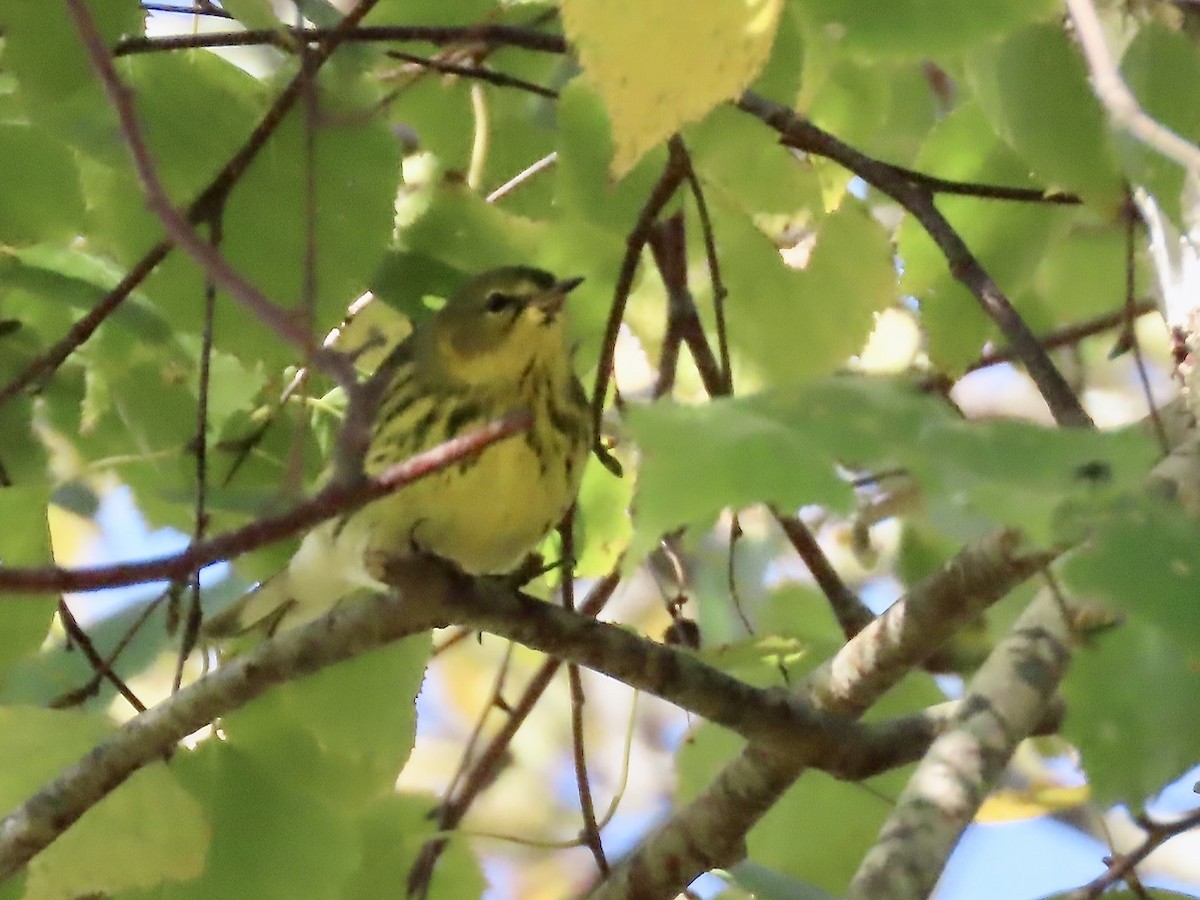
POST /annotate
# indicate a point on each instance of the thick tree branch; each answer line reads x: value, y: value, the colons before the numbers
x: 1003, y: 706
x: 349, y: 630
x: 709, y: 832
x: 430, y: 595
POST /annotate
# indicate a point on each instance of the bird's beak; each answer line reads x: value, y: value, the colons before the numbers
x: 552, y: 301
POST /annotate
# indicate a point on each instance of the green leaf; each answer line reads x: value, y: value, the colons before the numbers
x: 791, y: 324
x: 1141, y: 560
x: 463, y: 231
x: 919, y: 28
x: 775, y: 447
x: 40, y: 197
x: 602, y: 521
x: 350, y: 727
x: 1155, y: 63
x: 41, y: 46
x: 149, y: 830
x: 1127, y: 534
x: 1125, y: 694
x: 1060, y: 133
x: 767, y: 884
x: 393, y: 830
x: 1081, y: 275
x: 268, y: 838
x: 759, y: 176
x: 197, y: 110
x: 1008, y: 239
x: 658, y: 71
x: 24, y: 541
x: 801, y: 817
x: 585, y: 146
x: 782, y: 447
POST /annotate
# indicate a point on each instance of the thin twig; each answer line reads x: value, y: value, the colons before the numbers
x: 285, y: 38
x: 668, y: 246
x: 1130, y: 313
x: 100, y: 667
x: 191, y: 625
x: 178, y: 9
x: 984, y: 191
x: 796, y: 131
x: 495, y: 700
x: 851, y: 613
x: 714, y: 271
x: 48, y: 362
x: 523, y: 176
x: 89, y: 689
x: 200, y: 208
x: 478, y: 73
x: 591, y: 831
x: 1118, y: 100
x: 492, y: 758
x: 664, y: 189
x: 181, y: 232
x: 1121, y: 866
x: 1060, y: 337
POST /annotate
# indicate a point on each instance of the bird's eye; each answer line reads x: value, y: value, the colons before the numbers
x: 498, y: 301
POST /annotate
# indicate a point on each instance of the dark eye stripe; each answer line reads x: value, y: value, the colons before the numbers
x: 498, y: 301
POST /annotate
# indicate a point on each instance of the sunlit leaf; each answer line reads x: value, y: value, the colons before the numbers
x: 657, y: 70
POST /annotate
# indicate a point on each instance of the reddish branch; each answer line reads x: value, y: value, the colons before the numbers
x: 216, y: 268
x: 334, y: 500
x: 200, y: 208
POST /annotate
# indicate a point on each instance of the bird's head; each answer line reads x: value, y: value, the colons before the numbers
x: 503, y: 322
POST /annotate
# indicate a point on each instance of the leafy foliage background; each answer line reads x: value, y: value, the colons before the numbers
x: 380, y: 178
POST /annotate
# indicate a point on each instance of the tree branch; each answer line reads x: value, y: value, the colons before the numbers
x: 334, y: 500
x: 710, y: 831
x: 1002, y: 706
x: 796, y: 131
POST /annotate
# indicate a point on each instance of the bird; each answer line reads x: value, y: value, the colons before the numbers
x: 499, y: 345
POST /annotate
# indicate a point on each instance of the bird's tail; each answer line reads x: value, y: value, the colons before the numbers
x: 259, y: 611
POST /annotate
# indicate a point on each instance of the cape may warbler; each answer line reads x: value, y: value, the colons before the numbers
x: 499, y: 345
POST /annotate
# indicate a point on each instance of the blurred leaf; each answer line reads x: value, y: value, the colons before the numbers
x: 268, y: 838
x: 801, y: 817
x: 781, y: 447
x: 24, y: 541
x: 393, y: 830
x: 1081, y: 275
x: 41, y: 46
x: 1060, y: 133
x: 729, y: 153
x: 767, y: 884
x: 149, y: 830
x: 919, y: 28
x: 197, y: 110
x: 1155, y: 63
x: 793, y: 324
x: 602, y: 520
x: 1008, y: 239
x: 346, y: 730
x: 585, y: 147
x: 658, y: 70
x: 40, y: 197
x: 1142, y: 560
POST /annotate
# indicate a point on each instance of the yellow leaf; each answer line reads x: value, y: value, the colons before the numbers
x: 659, y: 64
